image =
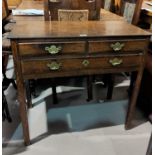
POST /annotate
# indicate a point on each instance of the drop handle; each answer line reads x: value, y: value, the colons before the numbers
x: 115, y: 61
x: 54, y: 66
x: 90, y: 1
x: 53, y: 49
x: 117, y: 46
x: 55, y: 1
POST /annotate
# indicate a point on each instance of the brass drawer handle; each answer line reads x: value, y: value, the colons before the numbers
x: 85, y: 63
x: 53, y: 49
x: 54, y: 66
x: 117, y: 46
x: 55, y: 1
x: 90, y: 1
x: 115, y: 61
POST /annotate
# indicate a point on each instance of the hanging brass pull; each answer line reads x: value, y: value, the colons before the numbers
x: 90, y: 1
x: 117, y: 46
x: 55, y: 1
x: 54, y: 66
x: 85, y: 63
x: 115, y: 61
x: 53, y: 49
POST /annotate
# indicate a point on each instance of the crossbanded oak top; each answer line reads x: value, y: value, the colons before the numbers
x: 63, y: 29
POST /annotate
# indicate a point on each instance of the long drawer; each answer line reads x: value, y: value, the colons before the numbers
x: 43, y: 66
x: 51, y: 48
x: 117, y: 46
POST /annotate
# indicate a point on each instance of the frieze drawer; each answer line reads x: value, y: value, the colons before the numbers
x: 117, y: 46
x: 51, y: 48
x: 54, y: 66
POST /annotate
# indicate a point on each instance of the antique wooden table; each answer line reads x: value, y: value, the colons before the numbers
x: 29, y: 4
x: 64, y: 49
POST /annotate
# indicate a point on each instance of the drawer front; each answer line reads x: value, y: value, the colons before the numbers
x: 52, y: 48
x: 116, y: 46
x: 35, y: 67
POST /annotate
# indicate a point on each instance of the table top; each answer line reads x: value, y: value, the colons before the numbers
x: 72, y: 29
x: 27, y: 4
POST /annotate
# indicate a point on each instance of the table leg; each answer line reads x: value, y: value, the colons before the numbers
x: 28, y: 94
x: 54, y: 91
x: 110, y: 84
x: 133, y: 99
x: 23, y: 110
x: 149, y: 149
x: 89, y: 88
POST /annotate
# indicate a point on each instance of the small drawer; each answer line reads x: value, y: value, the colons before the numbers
x: 52, y: 65
x: 42, y: 67
x: 117, y: 46
x: 51, y: 48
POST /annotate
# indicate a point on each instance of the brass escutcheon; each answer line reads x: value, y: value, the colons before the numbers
x: 85, y: 63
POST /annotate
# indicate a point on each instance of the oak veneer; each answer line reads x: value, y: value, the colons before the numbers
x: 73, y: 29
